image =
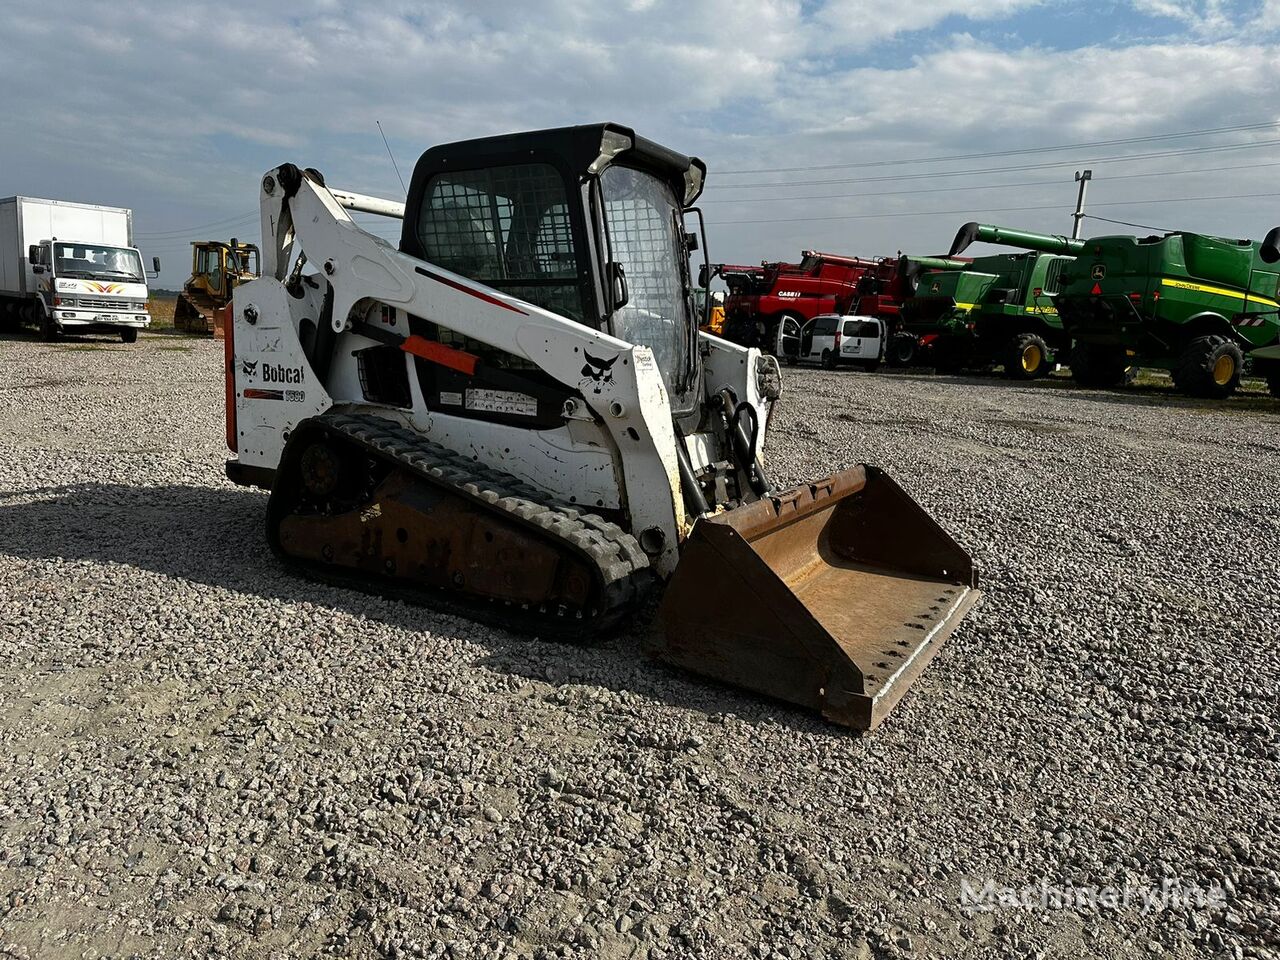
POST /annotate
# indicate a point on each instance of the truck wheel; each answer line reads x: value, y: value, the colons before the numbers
x: 1209, y: 367
x: 1026, y: 357
x: 1093, y: 365
x: 49, y: 331
x: 903, y: 350
x: 129, y: 336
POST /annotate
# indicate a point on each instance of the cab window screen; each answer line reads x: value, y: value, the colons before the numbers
x: 507, y: 227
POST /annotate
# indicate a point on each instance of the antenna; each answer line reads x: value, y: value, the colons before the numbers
x: 393, y: 157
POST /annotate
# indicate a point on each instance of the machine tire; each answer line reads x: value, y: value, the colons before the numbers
x: 1098, y: 366
x: 49, y: 331
x: 129, y: 336
x: 1209, y: 367
x: 1273, y: 384
x: 904, y: 350
x: 829, y: 360
x: 1026, y: 357
x: 871, y: 366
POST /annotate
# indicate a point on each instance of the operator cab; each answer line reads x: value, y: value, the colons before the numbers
x: 587, y: 222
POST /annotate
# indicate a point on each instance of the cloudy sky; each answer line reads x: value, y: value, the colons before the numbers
x: 844, y: 125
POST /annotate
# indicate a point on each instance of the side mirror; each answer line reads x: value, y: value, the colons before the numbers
x: 617, y: 278
x: 691, y: 242
x: 34, y: 253
x: 155, y: 264
x: 1270, y: 250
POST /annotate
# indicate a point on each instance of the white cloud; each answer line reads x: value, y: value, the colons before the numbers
x: 176, y: 110
x: 858, y: 24
x: 1209, y: 17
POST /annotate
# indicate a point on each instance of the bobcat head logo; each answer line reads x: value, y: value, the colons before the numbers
x: 249, y: 369
x: 596, y: 372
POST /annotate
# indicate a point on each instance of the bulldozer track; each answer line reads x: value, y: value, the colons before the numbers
x: 620, y: 567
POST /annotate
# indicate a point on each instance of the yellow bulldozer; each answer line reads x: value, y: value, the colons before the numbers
x: 217, y: 268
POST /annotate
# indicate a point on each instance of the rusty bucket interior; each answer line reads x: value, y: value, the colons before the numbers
x: 834, y: 596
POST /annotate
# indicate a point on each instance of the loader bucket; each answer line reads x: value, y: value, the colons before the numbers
x: 834, y: 596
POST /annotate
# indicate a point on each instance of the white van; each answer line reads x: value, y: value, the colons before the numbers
x: 832, y: 340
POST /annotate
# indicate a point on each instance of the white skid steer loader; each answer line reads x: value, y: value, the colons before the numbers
x: 513, y: 416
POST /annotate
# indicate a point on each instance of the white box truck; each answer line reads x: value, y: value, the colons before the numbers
x: 71, y: 268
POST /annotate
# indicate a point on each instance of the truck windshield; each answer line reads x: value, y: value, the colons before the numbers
x: 646, y: 238
x: 90, y: 262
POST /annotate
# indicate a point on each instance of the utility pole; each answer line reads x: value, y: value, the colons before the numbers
x: 1082, y: 179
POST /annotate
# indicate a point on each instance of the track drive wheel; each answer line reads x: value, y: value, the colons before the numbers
x: 1209, y: 367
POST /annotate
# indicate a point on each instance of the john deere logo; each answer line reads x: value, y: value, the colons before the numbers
x: 937, y: 285
x: 1099, y: 271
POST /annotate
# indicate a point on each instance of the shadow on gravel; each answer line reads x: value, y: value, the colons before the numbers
x: 1255, y: 400
x: 214, y: 536
x: 31, y: 335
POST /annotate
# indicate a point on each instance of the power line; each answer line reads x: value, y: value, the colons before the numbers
x: 940, y: 213
x: 1126, y: 223
x: 1010, y: 153
x: 991, y: 186
x: 227, y: 222
x: 1013, y: 169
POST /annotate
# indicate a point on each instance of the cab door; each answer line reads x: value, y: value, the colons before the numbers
x: 211, y: 271
x: 861, y: 339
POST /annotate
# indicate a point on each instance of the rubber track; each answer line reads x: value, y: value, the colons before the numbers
x: 622, y: 568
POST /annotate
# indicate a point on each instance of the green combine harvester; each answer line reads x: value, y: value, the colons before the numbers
x: 1198, y: 306
x: 996, y: 310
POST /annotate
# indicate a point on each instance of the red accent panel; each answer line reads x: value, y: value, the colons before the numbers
x: 475, y: 293
x: 435, y: 352
x: 229, y: 375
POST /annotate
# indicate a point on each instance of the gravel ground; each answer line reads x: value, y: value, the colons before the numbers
x: 203, y: 755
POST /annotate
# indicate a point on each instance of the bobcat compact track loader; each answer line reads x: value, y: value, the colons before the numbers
x: 514, y: 417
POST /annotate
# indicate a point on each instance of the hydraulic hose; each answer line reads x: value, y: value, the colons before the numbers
x: 744, y: 444
x: 694, y: 500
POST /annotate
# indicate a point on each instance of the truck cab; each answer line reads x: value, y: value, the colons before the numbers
x: 89, y: 288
